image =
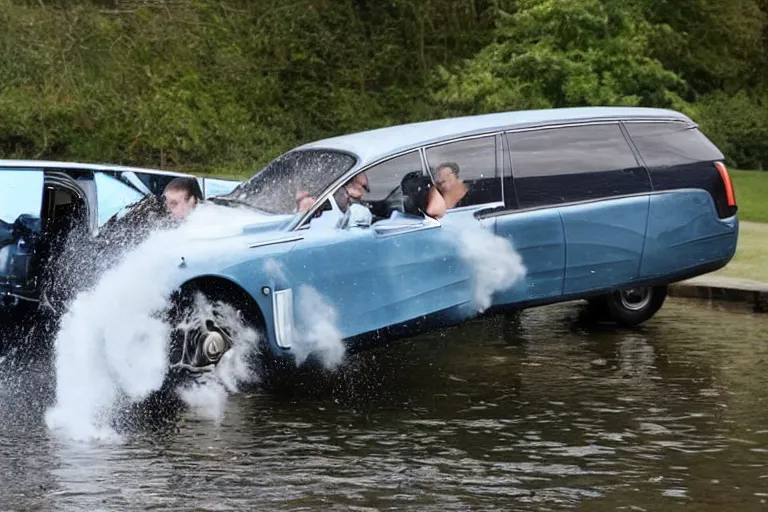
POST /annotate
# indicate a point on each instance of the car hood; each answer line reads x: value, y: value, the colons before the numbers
x: 272, y: 226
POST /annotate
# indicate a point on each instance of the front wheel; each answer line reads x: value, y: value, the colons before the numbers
x: 209, y: 326
x: 633, y: 306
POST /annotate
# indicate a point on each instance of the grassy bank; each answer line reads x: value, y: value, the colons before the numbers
x: 751, y: 190
x: 751, y: 253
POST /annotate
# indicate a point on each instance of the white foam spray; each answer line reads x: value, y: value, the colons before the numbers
x: 315, y: 323
x: 207, y: 396
x: 318, y: 334
x: 112, y: 344
x: 495, y: 264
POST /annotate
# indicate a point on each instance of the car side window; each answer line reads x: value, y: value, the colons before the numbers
x: 671, y: 143
x: 379, y: 187
x: 156, y: 183
x: 21, y: 200
x: 465, y: 172
x: 113, y: 196
x: 576, y: 163
x: 216, y: 187
x: 21, y: 195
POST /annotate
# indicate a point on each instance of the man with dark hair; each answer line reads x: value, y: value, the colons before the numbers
x: 420, y: 197
x: 182, y: 195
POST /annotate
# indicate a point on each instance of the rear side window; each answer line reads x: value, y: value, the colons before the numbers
x: 113, y: 196
x: 679, y: 156
x: 465, y: 172
x: 561, y: 165
x: 671, y: 143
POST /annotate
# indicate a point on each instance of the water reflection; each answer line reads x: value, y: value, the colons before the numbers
x: 534, y: 412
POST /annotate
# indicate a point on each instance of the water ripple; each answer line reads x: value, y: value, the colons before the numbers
x: 538, y: 413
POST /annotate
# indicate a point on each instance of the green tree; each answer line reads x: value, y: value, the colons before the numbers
x: 559, y: 53
x: 712, y: 44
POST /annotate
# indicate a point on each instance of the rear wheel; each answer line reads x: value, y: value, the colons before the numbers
x: 633, y: 306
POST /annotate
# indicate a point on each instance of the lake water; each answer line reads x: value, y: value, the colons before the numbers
x: 538, y: 412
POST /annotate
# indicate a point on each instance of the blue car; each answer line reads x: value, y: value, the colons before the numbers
x: 607, y: 205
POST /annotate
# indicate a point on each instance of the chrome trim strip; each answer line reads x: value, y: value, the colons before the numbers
x: 425, y: 163
x: 660, y: 120
x: 282, y: 314
x: 19, y: 297
x: 483, y: 206
x: 617, y: 120
x: 500, y: 141
x: 513, y: 211
x: 274, y: 242
x: 461, y: 139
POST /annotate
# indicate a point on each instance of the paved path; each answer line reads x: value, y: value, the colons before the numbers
x: 714, y: 287
x: 761, y: 227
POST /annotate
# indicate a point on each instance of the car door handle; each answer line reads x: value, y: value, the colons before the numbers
x: 406, y: 226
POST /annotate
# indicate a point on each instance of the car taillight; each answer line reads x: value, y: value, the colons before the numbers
x: 727, y: 182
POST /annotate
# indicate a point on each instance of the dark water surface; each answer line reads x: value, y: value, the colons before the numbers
x: 542, y: 413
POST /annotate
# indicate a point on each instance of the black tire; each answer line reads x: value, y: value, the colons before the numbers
x: 183, y: 303
x: 633, y: 306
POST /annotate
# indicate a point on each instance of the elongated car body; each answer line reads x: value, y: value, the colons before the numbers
x: 610, y: 205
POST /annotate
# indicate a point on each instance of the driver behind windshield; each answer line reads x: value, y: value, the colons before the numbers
x: 350, y: 200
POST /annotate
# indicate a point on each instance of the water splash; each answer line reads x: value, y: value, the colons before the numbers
x: 207, y: 396
x: 317, y: 327
x: 494, y: 263
x: 112, y: 345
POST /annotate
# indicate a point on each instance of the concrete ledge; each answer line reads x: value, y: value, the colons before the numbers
x: 730, y: 289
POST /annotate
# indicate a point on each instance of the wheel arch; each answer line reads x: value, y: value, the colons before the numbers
x: 218, y: 286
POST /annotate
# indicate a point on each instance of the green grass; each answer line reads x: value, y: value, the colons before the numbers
x: 751, y: 190
x: 751, y: 258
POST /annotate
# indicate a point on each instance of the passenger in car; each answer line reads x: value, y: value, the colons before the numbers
x: 181, y: 196
x: 421, y: 197
x: 452, y: 188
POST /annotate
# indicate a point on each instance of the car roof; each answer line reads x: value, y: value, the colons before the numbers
x: 372, y: 145
x: 83, y: 166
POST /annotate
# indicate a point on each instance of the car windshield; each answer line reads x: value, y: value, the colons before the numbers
x: 275, y: 187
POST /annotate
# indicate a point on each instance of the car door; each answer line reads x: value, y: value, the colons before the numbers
x: 396, y: 270
x: 21, y: 198
x: 535, y: 230
x: 589, y: 177
x: 469, y: 174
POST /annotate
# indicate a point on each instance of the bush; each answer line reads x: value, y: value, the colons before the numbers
x: 738, y: 124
